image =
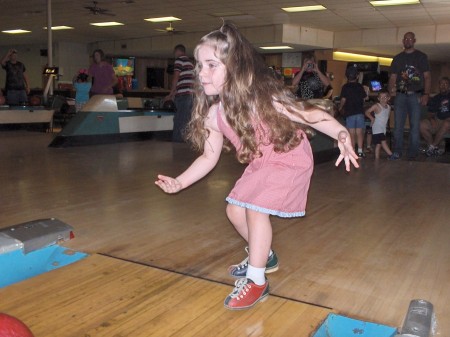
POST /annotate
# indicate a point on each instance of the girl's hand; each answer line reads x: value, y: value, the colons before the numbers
x: 168, y: 184
x: 347, y: 152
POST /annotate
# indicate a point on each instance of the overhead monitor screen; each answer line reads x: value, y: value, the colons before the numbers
x: 124, y: 66
x: 376, y: 85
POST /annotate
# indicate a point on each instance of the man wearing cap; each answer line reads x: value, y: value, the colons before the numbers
x: 17, y: 85
x: 353, y: 95
x: 410, y: 83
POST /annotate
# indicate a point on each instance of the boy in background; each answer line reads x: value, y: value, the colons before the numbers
x: 353, y: 95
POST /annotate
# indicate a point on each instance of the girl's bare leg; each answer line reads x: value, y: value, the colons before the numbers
x: 259, y: 238
x: 238, y: 218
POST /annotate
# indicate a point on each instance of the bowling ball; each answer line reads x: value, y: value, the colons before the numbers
x: 2, y: 100
x: 35, y: 100
x: 12, y: 327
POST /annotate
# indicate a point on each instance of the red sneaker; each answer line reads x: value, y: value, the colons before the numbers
x: 246, y: 294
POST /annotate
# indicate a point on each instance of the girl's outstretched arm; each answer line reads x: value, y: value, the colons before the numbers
x: 325, y: 123
x: 347, y: 152
x: 201, y: 166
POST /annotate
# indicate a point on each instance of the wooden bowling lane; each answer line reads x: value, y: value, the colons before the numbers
x: 104, y: 296
x: 372, y: 240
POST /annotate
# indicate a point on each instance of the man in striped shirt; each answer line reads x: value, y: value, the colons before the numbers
x: 181, y: 92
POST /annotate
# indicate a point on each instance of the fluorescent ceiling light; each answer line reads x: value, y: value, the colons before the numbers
x: 163, y: 19
x: 16, y: 31
x: 106, y: 24
x: 304, y: 8
x: 352, y: 57
x: 394, y: 2
x: 60, y: 27
x: 276, y: 47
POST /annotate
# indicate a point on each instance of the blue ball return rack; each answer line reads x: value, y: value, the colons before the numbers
x: 32, y: 248
x: 341, y: 326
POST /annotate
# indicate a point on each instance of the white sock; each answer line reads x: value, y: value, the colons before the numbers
x: 270, y: 253
x: 360, y: 150
x: 256, y: 275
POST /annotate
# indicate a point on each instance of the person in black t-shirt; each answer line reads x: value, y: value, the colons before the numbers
x: 351, y: 106
x: 410, y: 83
x: 17, y: 85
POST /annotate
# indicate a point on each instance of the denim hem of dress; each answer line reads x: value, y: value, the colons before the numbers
x: 265, y: 210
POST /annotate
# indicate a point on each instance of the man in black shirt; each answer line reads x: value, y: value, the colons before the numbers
x: 17, y: 85
x: 410, y: 83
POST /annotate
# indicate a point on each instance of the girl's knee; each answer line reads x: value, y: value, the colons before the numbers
x: 233, y: 211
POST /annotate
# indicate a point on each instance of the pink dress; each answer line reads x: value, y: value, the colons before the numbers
x: 275, y: 183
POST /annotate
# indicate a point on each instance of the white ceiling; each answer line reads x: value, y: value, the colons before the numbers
x: 197, y: 16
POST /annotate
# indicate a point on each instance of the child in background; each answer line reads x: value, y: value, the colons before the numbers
x: 379, y: 116
x: 237, y: 97
x: 353, y: 95
x: 82, y: 87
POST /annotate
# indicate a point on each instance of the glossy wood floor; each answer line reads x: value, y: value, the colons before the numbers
x: 372, y: 241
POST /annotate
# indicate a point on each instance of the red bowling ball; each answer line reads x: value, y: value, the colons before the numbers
x: 12, y: 327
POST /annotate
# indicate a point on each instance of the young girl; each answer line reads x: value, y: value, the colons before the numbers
x: 379, y: 116
x: 238, y: 97
x: 82, y: 88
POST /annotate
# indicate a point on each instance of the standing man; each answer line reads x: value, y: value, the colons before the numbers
x: 181, y: 93
x: 410, y: 82
x: 17, y: 85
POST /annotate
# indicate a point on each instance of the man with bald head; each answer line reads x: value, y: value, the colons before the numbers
x: 410, y: 83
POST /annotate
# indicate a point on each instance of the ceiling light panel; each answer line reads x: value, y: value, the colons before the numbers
x: 163, y: 19
x: 394, y: 2
x: 16, y: 31
x: 60, y: 27
x: 304, y: 9
x: 106, y: 24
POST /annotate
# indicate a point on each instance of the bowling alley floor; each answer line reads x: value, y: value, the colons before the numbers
x: 372, y: 240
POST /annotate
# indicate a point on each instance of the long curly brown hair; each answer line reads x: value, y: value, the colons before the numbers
x: 248, y: 97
